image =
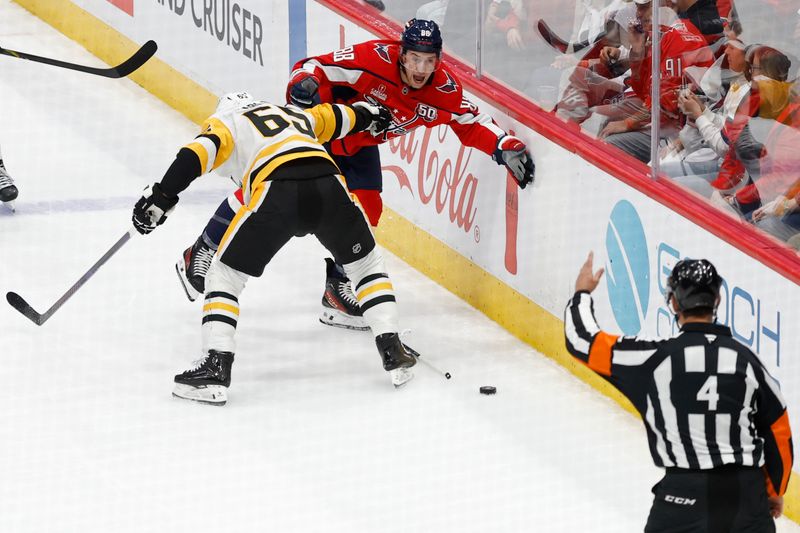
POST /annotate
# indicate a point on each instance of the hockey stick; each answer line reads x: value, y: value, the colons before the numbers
x: 418, y: 357
x: 120, y: 71
x: 19, y: 303
x: 560, y: 44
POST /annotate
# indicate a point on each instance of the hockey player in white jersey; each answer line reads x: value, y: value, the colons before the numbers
x: 291, y: 187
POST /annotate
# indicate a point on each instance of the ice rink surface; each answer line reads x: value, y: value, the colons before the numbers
x: 314, y: 437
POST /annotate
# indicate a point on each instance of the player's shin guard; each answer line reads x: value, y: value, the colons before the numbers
x: 376, y: 298
x: 374, y: 292
x: 221, y: 307
x: 208, y: 380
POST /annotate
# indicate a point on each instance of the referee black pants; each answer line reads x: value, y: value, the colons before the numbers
x: 729, y: 499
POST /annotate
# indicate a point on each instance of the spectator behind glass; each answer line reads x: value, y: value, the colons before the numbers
x: 701, y: 145
x: 781, y: 217
x: 681, y: 46
x: 508, y: 19
x: 764, y: 160
x: 512, y: 49
x: 595, y: 86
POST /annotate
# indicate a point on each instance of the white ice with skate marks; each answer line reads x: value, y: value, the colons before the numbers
x: 313, y: 437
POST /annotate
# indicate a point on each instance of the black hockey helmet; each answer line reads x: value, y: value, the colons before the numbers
x: 695, y: 284
x: 422, y: 36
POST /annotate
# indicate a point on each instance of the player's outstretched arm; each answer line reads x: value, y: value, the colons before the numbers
x: 159, y: 199
x: 375, y: 119
x: 334, y: 121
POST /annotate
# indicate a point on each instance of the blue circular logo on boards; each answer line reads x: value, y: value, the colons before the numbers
x: 628, y: 269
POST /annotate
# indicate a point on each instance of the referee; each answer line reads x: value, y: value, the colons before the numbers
x: 715, y: 418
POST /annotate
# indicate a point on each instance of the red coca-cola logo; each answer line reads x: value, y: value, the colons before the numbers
x: 440, y: 181
x: 448, y: 184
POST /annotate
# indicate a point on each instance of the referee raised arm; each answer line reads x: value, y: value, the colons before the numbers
x: 715, y: 418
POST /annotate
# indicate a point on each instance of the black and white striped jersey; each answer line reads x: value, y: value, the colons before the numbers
x: 706, y: 400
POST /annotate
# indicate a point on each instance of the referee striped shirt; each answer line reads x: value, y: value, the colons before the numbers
x: 706, y: 400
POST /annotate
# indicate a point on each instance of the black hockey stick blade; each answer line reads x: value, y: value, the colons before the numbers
x: 558, y: 43
x: 120, y: 71
x: 19, y: 303
x: 550, y: 37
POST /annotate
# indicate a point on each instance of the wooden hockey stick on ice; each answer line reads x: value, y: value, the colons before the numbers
x: 18, y: 302
x: 120, y: 71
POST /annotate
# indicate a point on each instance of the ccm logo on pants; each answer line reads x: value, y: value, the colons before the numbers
x: 679, y: 500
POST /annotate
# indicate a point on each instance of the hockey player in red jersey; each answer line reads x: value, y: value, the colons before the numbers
x: 408, y: 78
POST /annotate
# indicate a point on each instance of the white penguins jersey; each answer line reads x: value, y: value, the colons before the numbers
x: 249, y: 139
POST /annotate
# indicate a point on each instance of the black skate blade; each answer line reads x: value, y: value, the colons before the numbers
x: 18, y: 302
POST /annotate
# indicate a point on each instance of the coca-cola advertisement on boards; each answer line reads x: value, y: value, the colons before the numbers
x: 435, y: 181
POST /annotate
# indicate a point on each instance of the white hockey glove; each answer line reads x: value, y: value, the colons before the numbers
x: 152, y: 209
x: 380, y: 116
x: 512, y: 153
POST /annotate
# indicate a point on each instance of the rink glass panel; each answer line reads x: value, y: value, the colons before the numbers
x: 509, y: 46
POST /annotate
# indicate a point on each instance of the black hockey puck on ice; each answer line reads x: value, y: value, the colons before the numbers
x: 488, y: 389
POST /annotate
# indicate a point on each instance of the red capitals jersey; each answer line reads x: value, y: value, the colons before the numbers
x: 370, y: 71
x: 682, y: 45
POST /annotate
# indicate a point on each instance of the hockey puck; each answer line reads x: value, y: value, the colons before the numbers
x: 488, y: 389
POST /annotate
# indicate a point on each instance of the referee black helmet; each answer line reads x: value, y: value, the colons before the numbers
x: 695, y: 285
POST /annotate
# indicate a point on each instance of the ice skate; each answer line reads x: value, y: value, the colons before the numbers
x: 396, y: 360
x: 339, y: 305
x: 208, y: 381
x: 192, y: 268
x: 8, y: 191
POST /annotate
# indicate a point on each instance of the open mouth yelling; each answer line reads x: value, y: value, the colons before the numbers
x: 418, y: 79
